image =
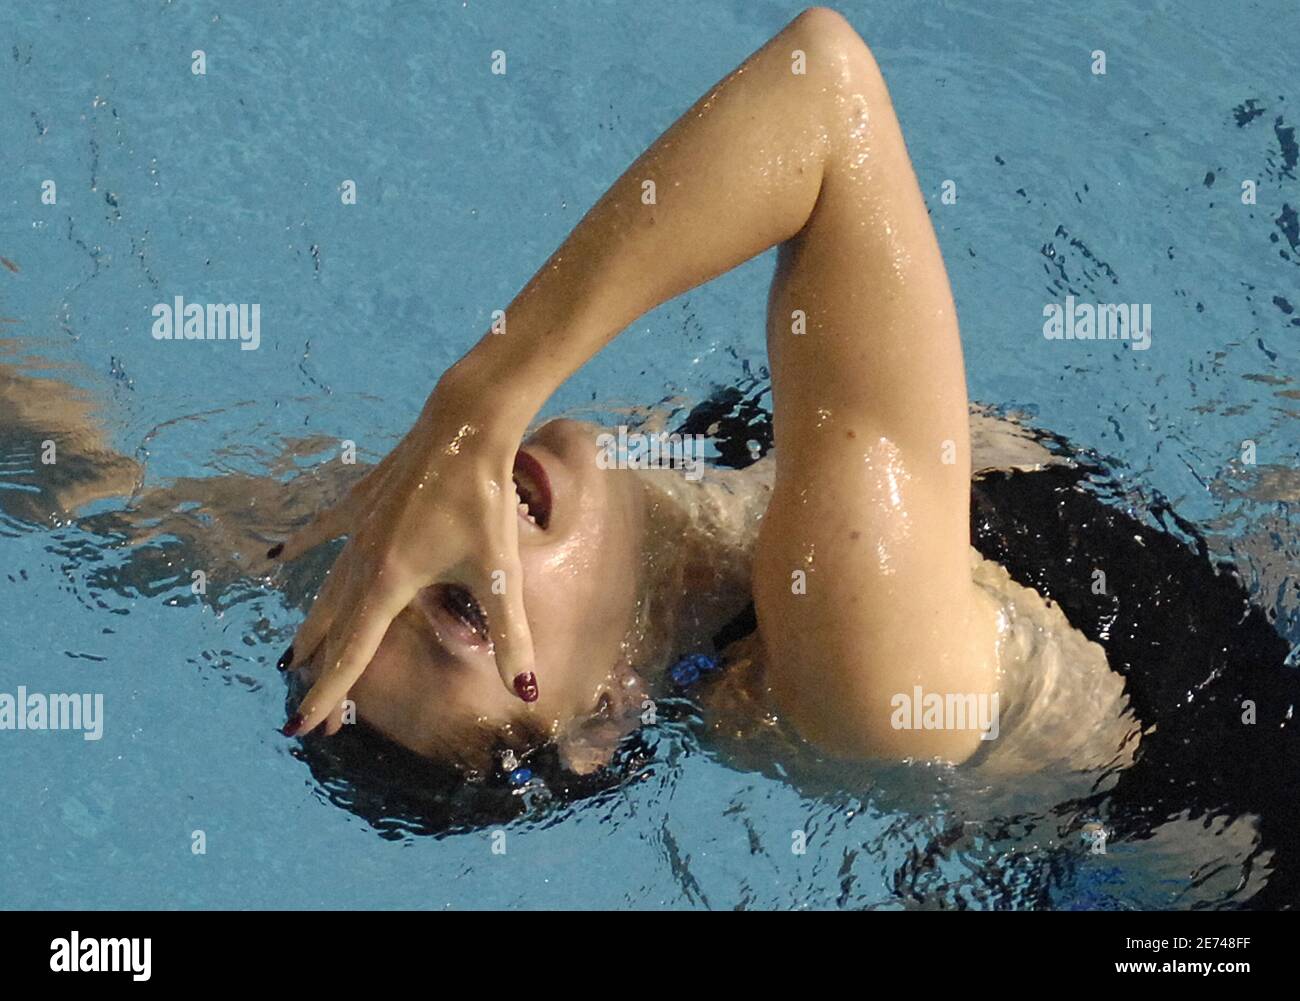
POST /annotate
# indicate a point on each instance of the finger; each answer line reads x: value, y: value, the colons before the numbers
x: 322, y: 613
x: 334, y: 722
x: 348, y: 651
x: 512, y: 641
x: 336, y: 520
x: 329, y: 524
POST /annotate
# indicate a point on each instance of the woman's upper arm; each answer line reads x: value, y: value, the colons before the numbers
x: 862, y: 576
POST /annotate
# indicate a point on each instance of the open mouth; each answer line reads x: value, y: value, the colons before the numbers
x: 533, y: 490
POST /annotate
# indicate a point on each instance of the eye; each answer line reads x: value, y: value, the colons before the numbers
x: 461, y: 604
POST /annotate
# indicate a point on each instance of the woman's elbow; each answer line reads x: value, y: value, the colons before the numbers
x: 828, y: 40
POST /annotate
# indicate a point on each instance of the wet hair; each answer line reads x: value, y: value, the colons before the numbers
x: 1173, y: 621
x: 401, y: 794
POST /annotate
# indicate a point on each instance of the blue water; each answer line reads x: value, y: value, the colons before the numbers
x: 225, y: 188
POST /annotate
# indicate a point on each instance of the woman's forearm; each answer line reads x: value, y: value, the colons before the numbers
x: 737, y: 174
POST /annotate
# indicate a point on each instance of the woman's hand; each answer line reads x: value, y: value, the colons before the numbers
x: 440, y: 508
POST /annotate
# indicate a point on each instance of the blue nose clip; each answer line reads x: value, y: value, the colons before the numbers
x: 691, y: 668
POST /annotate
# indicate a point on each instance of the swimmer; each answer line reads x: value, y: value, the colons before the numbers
x: 505, y: 584
x: 491, y: 589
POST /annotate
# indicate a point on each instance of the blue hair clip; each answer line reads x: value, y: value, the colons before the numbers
x: 520, y: 776
x: 516, y: 774
x: 691, y: 668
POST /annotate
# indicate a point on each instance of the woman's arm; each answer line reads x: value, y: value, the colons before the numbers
x: 872, y: 494
x: 863, y: 582
x: 736, y: 175
x: 798, y: 146
x: 58, y: 456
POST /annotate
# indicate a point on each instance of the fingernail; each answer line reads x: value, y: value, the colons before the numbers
x: 285, y: 660
x: 293, y: 726
x: 275, y: 551
x: 526, y: 686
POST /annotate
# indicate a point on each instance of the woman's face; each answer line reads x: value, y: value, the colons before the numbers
x: 433, y: 685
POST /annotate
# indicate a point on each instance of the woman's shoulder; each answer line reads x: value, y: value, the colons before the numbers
x: 1062, y: 706
x: 1061, y: 709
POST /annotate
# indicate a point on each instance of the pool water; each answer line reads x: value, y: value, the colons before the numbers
x: 1125, y: 186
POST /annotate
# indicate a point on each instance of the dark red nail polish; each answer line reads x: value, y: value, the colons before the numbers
x: 285, y: 660
x: 293, y: 726
x: 526, y: 686
x: 275, y: 551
